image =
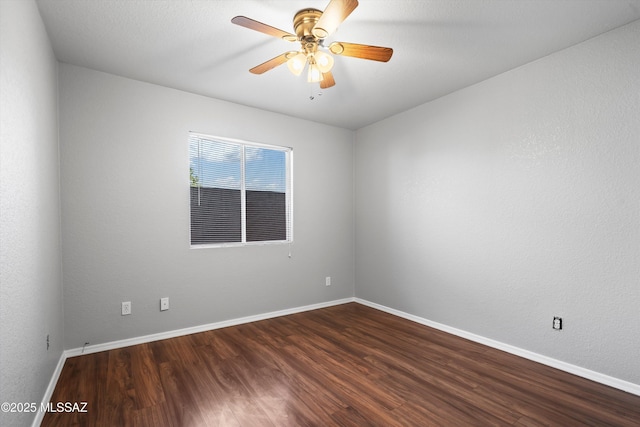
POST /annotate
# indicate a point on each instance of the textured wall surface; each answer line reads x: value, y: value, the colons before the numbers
x: 125, y: 202
x: 495, y: 208
x: 30, y: 276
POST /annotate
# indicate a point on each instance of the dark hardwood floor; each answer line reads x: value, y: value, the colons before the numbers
x: 348, y: 365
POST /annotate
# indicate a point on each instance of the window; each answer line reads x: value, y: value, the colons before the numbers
x: 240, y: 191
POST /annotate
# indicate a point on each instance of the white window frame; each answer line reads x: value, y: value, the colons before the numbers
x: 288, y: 195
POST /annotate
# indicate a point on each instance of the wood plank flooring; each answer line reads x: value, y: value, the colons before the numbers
x: 348, y: 365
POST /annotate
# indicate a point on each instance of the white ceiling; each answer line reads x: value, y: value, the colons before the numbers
x: 439, y: 46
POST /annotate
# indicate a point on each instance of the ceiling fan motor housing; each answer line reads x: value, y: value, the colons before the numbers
x: 303, y: 23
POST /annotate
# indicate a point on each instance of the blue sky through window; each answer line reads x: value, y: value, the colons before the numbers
x: 265, y: 170
x: 217, y: 164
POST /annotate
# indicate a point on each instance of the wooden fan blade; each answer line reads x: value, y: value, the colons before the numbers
x: 327, y: 80
x: 375, y: 53
x: 335, y: 12
x: 272, y: 63
x: 252, y: 24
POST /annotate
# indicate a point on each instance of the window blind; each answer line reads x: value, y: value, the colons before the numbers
x: 240, y: 192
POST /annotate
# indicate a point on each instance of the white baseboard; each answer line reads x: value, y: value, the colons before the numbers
x: 49, y: 391
x: 201, y: 328
x: 554, y: 363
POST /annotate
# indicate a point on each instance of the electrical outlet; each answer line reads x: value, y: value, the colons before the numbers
x: 126, y: 308
x: 327, y: 281
x: 557, y: 323
x: 164, y: 304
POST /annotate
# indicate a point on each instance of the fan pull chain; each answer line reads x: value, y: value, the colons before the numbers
x: 311, y: 92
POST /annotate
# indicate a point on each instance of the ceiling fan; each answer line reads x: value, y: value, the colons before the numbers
x: 312, y: 27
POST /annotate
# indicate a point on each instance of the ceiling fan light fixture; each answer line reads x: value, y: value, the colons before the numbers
x: 312, y: 27
x: 314, y: 75
x: 323, y: 61
x: 296, y: 63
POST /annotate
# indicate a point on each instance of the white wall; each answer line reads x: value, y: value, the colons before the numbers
x: 30, y: 268
x: 125, y: 199
x: 502, y: 205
